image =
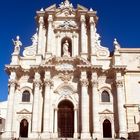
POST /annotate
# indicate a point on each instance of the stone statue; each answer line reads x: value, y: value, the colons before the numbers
x: 116, y: 45
x: 66, y: 49
x: 17, y: 43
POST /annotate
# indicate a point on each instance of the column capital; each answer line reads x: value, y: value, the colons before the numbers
x: 37, y: 83
x: 41, y: 20
x: 50, y: 18
x: 91, y: 20
x: 94, y: 83
x: 82, y: 18
x: 84, y: 82
x: 56, y: 109
x: 12, y: 82
x: 119, y: 83
x: 48, y: 82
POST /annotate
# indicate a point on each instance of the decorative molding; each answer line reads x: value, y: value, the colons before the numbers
x: 119, y: 83
x: 66, y: 77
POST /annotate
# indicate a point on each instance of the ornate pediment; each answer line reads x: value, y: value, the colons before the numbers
x: 24, y: 111
x: 65, y: 9
x: 106, y: 111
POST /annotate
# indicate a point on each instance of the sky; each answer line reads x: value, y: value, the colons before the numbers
x: 117, y: 19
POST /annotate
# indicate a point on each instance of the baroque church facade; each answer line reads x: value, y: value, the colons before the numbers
x: 66, y: 84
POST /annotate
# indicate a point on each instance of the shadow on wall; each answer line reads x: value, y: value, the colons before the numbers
x: 134, y: 135
x: 2, y: 125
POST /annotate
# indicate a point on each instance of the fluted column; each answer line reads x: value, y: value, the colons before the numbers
x: 36, y: 102
x: 46, y: 126
x: 41, y: 24
x: 10, y: 107
x: 58, y: 45
x: 83, y: 37
x: 121, y: 109
x: 84, y: 106
x: 55, y: 122
x: 50, y: 30
x: 75, y: 123
x: 95, y: 107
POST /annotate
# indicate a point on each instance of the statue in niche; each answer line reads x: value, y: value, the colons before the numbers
x: 17, y: 43
x: 66, y: 49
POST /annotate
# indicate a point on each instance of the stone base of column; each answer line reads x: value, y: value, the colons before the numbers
x: 85, y: 135
x: 7, y: 135
x: 46, y: 135
x: 96, y: 135
x: 123, y: 135
x: 55, y: 135
x: 75, y: 135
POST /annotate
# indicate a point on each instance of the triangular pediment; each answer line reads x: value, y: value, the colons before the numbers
x: 51, y: 8
x: 80, y: 7
x: 106, y: 111
x: 24, y: 111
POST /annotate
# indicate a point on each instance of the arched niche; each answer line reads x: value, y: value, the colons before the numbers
x: 66, y: 46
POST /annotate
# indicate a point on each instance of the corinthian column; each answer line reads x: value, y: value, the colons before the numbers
x: 46, y: 126
x: 84, y: 106
x: 95, y: 107
x: 36, y: 104
x: 50, y: 35
x: 10, y: 107
x: 121, y: 109
x: 83, y: 37
x: 41, y: 24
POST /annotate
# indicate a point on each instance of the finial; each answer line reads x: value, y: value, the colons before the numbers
x: 91, y: 10
x: 41, y: 9
x: 116, y: 44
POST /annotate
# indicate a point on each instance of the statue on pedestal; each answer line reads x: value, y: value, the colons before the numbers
x: 17, y: 44
x: 66, y: 49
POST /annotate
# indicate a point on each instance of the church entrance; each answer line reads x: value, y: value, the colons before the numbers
x: 65, y: 119
x: 23, y: 128
x: 107, y: 132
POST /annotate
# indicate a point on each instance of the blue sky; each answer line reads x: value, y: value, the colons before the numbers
x: 117, y: 19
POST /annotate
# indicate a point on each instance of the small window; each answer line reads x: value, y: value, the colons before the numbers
x: 105, y: 96
x: 26, y: 96
x: 0, y: 121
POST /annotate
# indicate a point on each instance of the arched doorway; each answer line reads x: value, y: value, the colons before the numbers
x: 107, y: 131
x: 23, y: 128
x: 65, y: 119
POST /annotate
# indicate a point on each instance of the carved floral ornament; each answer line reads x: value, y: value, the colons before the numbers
x: 66, y: 77
x: 48, y: 82
x: 119, y: 83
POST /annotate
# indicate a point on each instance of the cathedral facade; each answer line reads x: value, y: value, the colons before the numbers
x: 66, y: 84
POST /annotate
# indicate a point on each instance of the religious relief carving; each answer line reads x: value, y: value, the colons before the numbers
x: 17, y: 44
x: 66, y: 7
x: 31, y: 50
x: 84, y: 82
x: 119, y: 83
x: 67, y: 25
x: 66, y: 77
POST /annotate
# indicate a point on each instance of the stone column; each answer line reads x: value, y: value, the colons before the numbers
x: 92, y: 35
x: 74, y: 47
x: 58, y: 46
x: 10, y: 106
x: 41, y: 24
x: 83, y: 37
x: 36, y: 102
x: 75, y: 123
x: 50, y: 30
x: 95, y: 107
x: 55, y: 122
x: 84, y: 106
x: 121, y: 109
x: 46, y: 122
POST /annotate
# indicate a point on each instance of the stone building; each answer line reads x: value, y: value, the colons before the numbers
x: 66, y: 84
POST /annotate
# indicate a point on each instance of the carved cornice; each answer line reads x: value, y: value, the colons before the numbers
x: 84, y: 82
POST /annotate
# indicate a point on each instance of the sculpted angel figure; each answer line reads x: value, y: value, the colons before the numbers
x: 17, y: 43
x: 116, y: 44
x: 66, y: 49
